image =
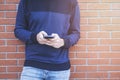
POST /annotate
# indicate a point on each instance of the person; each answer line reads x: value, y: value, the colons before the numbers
x: 47, y: 59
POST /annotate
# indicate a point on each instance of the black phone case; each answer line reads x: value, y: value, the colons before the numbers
x: 48, y: 37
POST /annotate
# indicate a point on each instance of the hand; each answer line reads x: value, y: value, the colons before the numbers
x: 40, y: 37
x: 56, y: 42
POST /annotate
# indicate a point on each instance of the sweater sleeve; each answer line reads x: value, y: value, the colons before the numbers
x: 20, y: 30
x: 74, y: 30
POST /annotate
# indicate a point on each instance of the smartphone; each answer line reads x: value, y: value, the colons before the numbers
x: 48, y: 37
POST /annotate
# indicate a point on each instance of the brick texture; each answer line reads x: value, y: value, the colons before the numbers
x: 96, y: 56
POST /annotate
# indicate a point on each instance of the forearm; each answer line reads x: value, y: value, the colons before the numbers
x: 74, y: 30
x: 22, y: 34
x: 71, y: 39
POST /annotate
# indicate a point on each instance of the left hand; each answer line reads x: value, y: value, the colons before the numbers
x: 56, y: 42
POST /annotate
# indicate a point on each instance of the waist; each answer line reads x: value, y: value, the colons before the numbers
x: 48, y: 66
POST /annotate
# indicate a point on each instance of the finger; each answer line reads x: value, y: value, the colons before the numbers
x: 44, y: 33
x: 49, y: 44
x: 40, y: 36
x: 55, y: 36
x: 42, y: 41
x: 56, y: 46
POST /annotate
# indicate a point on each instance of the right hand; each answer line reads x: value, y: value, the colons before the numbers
x: 40, y: 37
x: 56, y: 42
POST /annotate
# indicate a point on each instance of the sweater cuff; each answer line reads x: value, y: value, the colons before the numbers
x: 33, y: 38
x: 66, y: 43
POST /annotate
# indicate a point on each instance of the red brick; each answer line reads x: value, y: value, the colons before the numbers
x: 7, y: 7
x: 6, y: 35
x: 2, y: 42
x: 7, y: 62
x: 83, y: 35
x: 82, y: 42
x: 86, y: 68
x: 2, y: 69
x: 92, y: 41
x: 7, y: 21
x: 10, y: 14
x: 98, y: 48
x: 98, y: 61
x: 7, y: 48
x: 97, y: 6
x: 87, y: 42
x: 110, y: 55
x: 1, y: 1
x: 2, y: 55
x: 112, y: 1
x: 109, y: 68
x: 9, y: 76
x: 72, y: 69
x: 115, y: 48
x: 86, y: 55
x: 10, y: 28
x: 99, y: 21
x: 83, y: 6
x: 21, y: 62
x: 116, y: 6
x: 113, y: 27
x: 110, y: 41
x: 115, y: 13
x: 78, y: 48
x: 72, y: 55
x: 15, y: 56
x: 12, y: 1
x: 14, y: 69
x: 97, y: 75
x: 1, y: 14
x: 21, y: 48
x: 89, y: 14
x: 115, y: 61
x: 83, y: 20
x: 77, y: 75
x: 116, y: 20
x: 2, y: 29
x: 89, y: 28
x: 115, y: 34
x: 14, y: 42
x: 78, y: 61
x: 115, y: 75
x: 98, y: 35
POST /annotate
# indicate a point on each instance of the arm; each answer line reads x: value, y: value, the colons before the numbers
x: 74, y: 30
x: 20, y: 30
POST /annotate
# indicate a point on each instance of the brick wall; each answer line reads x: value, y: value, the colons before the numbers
x: 95, y: 57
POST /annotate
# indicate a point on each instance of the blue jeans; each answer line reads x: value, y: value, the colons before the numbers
x: 31, y: 73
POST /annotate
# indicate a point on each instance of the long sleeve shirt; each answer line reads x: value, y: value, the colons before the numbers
x: 52, y: 16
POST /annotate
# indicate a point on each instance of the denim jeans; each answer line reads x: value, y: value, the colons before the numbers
x: 31, y: 73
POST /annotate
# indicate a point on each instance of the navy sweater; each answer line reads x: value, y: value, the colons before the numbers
x: 51, y: 16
